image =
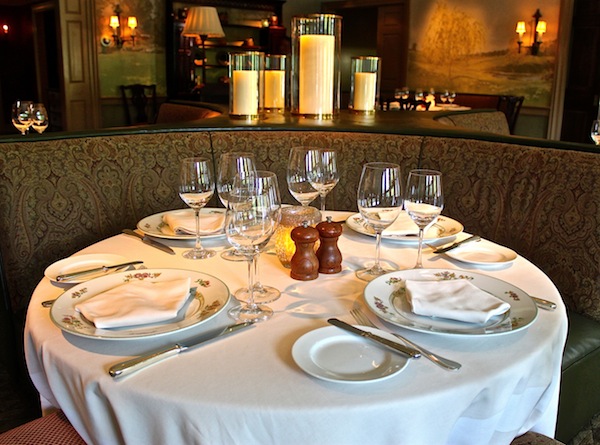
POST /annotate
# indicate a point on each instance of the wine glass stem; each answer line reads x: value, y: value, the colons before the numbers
x: 257, y: 286
x: 251, y: 303
x: 419, y: 264
x: 198, y: 245
x: 377, y: 249
x: 323, y: 201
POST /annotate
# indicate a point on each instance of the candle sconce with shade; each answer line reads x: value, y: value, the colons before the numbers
x: 364, y: 85
x: 538, y: 28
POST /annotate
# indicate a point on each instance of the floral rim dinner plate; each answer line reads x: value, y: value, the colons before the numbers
x: 334, y: 355
x: 210, y: 298
x: 386, y: 297
x: 153, y: 225
x: 443, y: 228
x: 483, y: 253
x: 76, y: 263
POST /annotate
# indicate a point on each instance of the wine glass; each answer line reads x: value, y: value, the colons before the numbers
x: 22, y: 115
x: 322, y: 171
x: 299, y: 164
x: 451, y: 97
x: 39, y: 118
x: 266, y: 180
x: 196, y: 187
x: 424, y: 201
x: 595, y: 132
x: 379, y: 200
x: 252, y: 217
x: 444, y: 97
x: 232, y: 164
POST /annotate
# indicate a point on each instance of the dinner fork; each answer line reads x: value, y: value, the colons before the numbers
x: 442, y: 362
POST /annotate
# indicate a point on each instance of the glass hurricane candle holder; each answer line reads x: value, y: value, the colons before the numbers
x: 315, y: 74
x: 292, y: 217
x: 275, y: 82
x: 245, y: 93
x: 364, y: 85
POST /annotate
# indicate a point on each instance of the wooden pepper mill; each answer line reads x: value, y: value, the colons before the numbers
x: 304, y: 263
x: 328, y: 253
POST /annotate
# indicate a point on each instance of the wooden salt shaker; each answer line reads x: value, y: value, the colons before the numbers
x: 304, y: 263
x: 329, y: 255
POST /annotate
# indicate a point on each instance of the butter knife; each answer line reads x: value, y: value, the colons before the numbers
x: 70, y: 276
x: 135, y: 364
x: 147, y: 240
x: 392, y: 345
x: 459, y: 243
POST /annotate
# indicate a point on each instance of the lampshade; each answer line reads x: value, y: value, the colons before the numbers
x: 132, y: 22
x: 203, y: 21
x: 114, y: 21
x: 541, y: 27
x: 521, y: 28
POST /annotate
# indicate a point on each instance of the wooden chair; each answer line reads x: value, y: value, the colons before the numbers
x: 511, y: 107
x: 53, y: 429
x: 141, y: 99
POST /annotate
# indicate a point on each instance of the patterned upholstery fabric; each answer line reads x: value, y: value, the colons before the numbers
x: 53, y: 429
x: 543, y: 203
x: 488, y: 121
x: 531, y: 438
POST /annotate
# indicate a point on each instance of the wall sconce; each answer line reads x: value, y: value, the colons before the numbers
x: 115, y: 24
x: 538, y: 29
x: 4, y: 29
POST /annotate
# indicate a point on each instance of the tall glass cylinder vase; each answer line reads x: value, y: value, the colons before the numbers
x: 315, y: 73
x: 364, y: 86
x: 245, y: 92
x: 275, y: 83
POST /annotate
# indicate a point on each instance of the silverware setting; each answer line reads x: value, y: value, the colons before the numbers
x: 69, y: 276
x: 544, y: 304
x: 442, y: 362
x: 470, y: 239
x: 149, y: 241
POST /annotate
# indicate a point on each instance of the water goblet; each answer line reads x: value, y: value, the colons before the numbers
x: 595, y: 132
x: 379, y: 200
x: 22, y: 115
x: 196, y: 187
x: 299, y: 165
x: 263, y: 294
x: 423, y: 202
x: 232, y: 164
x: 322, y: 171
x: 39, y: 118
x: 252, y: 218
x: 451, y: 97
x: 444, y: 97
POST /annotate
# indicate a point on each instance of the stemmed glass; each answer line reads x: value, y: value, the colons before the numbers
x: 451, y: 97
x: 322, y: 171
x: 379, y: 200
x: 22, y: 115
x: 595, y: 132
x: 424, y: 201
x: 444, y: 97
x: 39, y: 118
x: 196, y: 187
x: 232, y: 164
x: 299, y: 165
x: 263, y: 294
x: 252, y: 217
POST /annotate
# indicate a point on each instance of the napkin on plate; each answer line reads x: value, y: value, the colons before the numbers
x: 402, y: 226
x: 454, y: 299
x: 184, y: 223
x: 136, y: 303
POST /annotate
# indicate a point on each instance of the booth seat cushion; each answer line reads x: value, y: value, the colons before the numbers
x: 53, y: 429
x: 490, y: 121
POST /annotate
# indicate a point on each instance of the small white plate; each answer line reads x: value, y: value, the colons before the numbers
x: 154, y: 225
x: 483, y: 253
x: 334, y: 355
x: 82, y: 262
x: 443, y: 228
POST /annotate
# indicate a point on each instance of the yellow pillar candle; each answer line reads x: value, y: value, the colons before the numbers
x: 316, y: 78
x: 274, y: 89
x: 245, y: 93
x: 364, y: 91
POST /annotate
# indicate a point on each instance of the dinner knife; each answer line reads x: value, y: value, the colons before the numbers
x: 135, y: 364
x: 459, y: 243
x: 70, y: 276
x: 396, y: 347
x: 147, y: 240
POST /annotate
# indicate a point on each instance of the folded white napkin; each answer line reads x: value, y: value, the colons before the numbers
x: 184, y: 222
x: 136, y: 303
x: 454, y: 299
x: 403, y: 225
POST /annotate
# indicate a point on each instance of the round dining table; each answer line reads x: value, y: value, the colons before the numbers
x: 247, y: 388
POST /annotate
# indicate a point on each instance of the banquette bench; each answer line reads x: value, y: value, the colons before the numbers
x: 62, y: 192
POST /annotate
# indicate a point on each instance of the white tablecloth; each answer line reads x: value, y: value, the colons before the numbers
x: 247, y: 389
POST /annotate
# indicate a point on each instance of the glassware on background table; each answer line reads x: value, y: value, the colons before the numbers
x: 299, y: 164
x: 379, y: 200
x: 262, y: 293
x: 444, y: 97
x: 252, y: 217
x: 322, y: 171
x: 39, y: 118
x: 595, y: 132
x: 232, y: 164
x: 423, y: 202
x: 22, y: 115
x: 196, y: 187
x: 451, y: 97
